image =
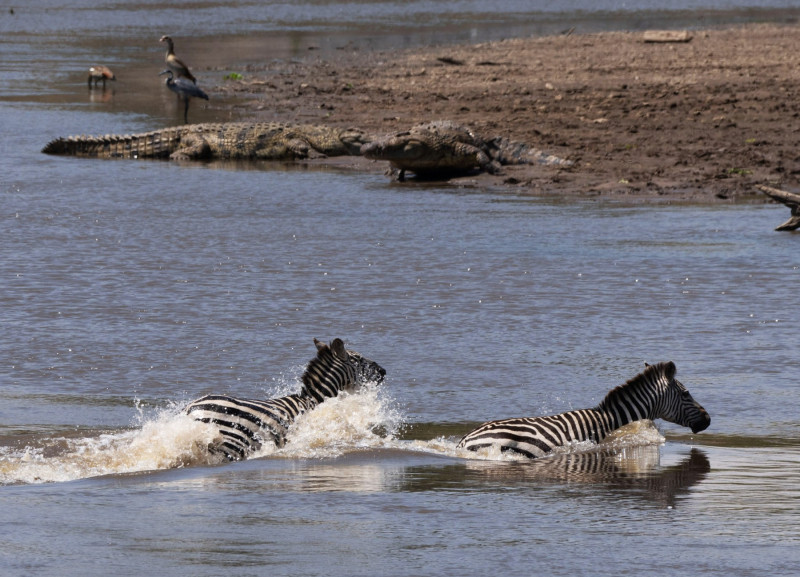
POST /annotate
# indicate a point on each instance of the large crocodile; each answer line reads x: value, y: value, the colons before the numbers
x: 442, y: 147
x: 230, y: 140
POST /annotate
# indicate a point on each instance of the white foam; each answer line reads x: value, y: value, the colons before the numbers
x: 348, y: 422
x: 166, y: 441
x: 170, y: 439
x: 635, y: 434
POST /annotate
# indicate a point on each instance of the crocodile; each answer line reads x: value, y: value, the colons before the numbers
x: 442, y: 148
x: 216, y: 141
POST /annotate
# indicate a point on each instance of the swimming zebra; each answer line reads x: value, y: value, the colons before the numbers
x: 652, y: 394
x: 244, y: 424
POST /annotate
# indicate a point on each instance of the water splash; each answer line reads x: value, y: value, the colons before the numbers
x: 351, y: 422
x: 358, y: 421
x: 166, y: 441
x: 170, y: 439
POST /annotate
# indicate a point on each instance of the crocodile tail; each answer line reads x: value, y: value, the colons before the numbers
x: 156, y: 144
x: 60, y: 146
x: 506, y: 151
x: 102, y: 146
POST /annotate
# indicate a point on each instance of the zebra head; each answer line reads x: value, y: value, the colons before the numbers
x: 336, y: 369
x: 674, y: 402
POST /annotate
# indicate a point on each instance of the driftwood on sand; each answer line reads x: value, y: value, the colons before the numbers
x: 660, y: 36
x: 790, y: 199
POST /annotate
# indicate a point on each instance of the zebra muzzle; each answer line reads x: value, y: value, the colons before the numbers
x: 702, y: 424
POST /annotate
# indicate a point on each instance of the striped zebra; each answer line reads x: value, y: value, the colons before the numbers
x: 652, y: 394
x: 244, y: 424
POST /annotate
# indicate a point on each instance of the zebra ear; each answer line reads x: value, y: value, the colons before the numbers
x: 337, y: 346
x: 670, y: 370
x: 320, y: 345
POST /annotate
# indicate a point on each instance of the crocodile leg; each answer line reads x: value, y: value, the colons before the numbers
x: 192, y: 147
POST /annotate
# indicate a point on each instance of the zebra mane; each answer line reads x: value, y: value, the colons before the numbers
x: 651, y: 373
x: 320, y: 366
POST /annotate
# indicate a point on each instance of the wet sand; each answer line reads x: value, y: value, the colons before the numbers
x: 702, y: 120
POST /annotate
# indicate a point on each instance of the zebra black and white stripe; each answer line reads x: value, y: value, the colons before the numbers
x: 244, y: 424
x: 652, y: 394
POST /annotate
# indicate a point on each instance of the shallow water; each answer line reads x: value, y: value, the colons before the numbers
x: 129, y: 288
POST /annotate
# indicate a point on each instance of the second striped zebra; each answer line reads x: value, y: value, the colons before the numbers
x: 652, y: 394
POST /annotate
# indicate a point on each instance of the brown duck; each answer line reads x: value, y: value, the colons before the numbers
x: 174, y: 63
x: 98, y: 73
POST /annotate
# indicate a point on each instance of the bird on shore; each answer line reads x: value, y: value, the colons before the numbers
x: 178, y: 67
x: 185, y: 89
x: 98, y: 73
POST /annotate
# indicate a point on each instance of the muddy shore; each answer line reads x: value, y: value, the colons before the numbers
x: 702, y: 120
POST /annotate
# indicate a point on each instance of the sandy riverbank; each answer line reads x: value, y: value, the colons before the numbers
x: 702, y: 120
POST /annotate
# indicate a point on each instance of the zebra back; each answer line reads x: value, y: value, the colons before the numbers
x: 244, y: 424
x: 536, y: 436
x: 654, y: 393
